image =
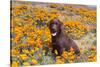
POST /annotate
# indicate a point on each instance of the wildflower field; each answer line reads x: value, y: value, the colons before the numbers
x: 31, y: 38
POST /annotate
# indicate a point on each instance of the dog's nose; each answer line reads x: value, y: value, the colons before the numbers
x: 53, y: 31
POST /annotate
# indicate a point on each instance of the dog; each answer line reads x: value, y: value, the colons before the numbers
x: 60, y: 39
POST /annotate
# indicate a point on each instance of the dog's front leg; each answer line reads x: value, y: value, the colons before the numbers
x: 53, y: 50
x: 60, y: 51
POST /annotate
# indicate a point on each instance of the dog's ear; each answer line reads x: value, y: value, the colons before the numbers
x: 60, y: 23
x: 61, y: 27
x: 49, y: 22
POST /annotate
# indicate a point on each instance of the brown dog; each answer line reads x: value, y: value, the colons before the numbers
x: 60, y: 40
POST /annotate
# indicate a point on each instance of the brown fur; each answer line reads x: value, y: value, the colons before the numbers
x: 61, y: 40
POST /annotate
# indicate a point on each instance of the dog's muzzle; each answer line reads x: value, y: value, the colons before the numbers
x: 54, y: 34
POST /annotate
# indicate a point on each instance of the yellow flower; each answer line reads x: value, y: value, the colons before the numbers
x: 72, y: 57
x: 23, y: 57
x: 31, y: 34
x: 30, y: 41
x: 43, y: 51
x: 26, y: 63
x: 14, y: 64
x: 59, y: 61
x: 40, y: 55
x: 56, y: 52
x: 25, y: 51
x: 70, y: 53
x: 14, y: 52
x: 92, y: 57
x: 32, y: 51
x: 78, y: 57
x: 16, y: 39
x: 38, y: 43
x: 36, y: 48
x: 70, y: 61
x: 93, y: 49
x: 71, y: 49
x: 65, y: 55
x: 58, y: 57
x: 34, y: 61
x: 39, y: 32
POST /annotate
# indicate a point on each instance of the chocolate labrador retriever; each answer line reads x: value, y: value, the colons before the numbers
x: 60, y: 39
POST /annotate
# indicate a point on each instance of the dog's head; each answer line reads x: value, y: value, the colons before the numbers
x: 55, y: 27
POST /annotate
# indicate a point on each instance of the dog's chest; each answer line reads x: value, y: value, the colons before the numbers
x: 59, y: 41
